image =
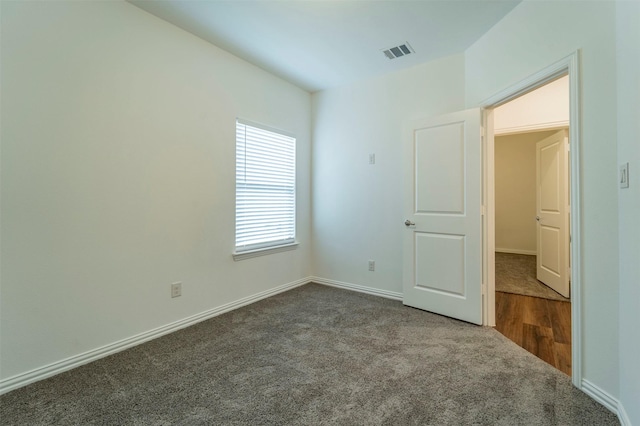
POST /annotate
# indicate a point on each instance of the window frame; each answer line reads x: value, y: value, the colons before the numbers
x: 260, y: 249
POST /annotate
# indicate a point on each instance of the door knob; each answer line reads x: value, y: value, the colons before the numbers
x: 408, y: 223
x: 538, y: 218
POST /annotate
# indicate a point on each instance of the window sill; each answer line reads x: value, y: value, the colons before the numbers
x: 264, y: 251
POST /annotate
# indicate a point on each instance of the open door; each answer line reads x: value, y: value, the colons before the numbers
x: 552, y: 212
x: 443, y: 237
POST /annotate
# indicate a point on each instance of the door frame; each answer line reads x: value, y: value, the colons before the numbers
x: 566, y: 66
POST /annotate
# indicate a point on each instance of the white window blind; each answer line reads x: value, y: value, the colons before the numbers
x: 265, y: 187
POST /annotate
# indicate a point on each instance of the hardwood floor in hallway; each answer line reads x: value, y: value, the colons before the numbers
x: 541, y: 326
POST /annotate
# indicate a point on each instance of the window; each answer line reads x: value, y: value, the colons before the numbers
x: 265, y: 190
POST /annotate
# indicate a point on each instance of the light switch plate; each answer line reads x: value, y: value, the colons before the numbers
x: 624, y: 175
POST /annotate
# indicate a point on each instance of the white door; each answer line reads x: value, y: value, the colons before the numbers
x: 442, y: 258
x: 552, y: 216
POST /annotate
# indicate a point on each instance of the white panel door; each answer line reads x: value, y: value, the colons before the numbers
x: 443, y: 227
x: 552, y: 217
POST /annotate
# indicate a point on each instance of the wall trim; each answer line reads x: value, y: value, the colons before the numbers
x: 607, y: 400
x: 250, y: 254
x: 601, y: 396
x: 531, y: 128
x: 359, y: 288
x: 72, y: 362
x: 623, y: 416
x: 516, y: 251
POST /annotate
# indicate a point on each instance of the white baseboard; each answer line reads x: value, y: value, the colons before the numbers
x: 607, y: 400
x: 515, y: 251
x: 623, y: 416
x: 359, y: 288
x: 41, y: 373
x: 604, y: 398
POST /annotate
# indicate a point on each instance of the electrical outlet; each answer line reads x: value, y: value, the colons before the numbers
x: 372, y: 265
x: 372, y: 158
x: 176, y: 289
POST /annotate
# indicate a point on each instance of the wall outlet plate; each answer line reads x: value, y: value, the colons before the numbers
x: 176, y: 289
x: 624, y: 175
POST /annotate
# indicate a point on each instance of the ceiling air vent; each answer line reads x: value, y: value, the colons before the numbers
x: 397, y: 51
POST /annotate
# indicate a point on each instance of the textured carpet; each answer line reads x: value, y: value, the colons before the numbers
x: 313, y: 355
x: 516, y: 273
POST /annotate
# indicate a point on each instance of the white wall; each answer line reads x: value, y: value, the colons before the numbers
x: 117, y: 172
x: 118, y: 143
x: 515, y: 192
x: 357, y: 207
x: 545, y: 107
x: 531, y: 37
x: 628, y: 79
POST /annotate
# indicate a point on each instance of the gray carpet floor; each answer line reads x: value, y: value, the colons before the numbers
x: 516, y: 273
x: 313, y: 355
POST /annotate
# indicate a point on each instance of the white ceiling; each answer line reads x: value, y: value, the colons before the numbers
x: 322, y: 44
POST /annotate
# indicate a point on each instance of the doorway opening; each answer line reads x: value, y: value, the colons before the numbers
x: 531, y: 256
x: 531, y: 185
x: 531, y: 175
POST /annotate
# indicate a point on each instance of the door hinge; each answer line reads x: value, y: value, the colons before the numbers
x: 484, y: 289
x: 482, y: 133
x: 483, y: 211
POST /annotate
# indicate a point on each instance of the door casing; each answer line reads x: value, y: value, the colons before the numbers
x: 566, y: 66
